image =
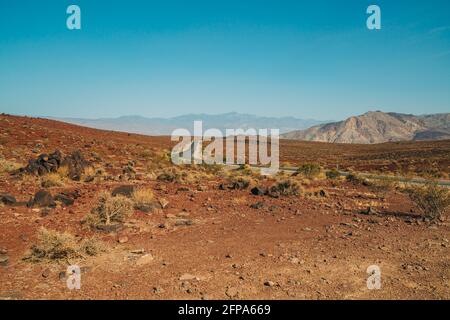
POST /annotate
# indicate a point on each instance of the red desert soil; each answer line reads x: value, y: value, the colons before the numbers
x: 296, y: 247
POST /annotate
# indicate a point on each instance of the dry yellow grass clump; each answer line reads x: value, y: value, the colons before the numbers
x: 54, y: 246
x: 143, y: 196
x: 7, y: 166
x: 55, y: 179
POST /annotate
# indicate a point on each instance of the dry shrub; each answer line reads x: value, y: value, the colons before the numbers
x: 239, y: 182
x: 52, y: 180
x: 211, y: 168
x: 285, y: 188
x: 431, y: 199
x: 309, y: 170
x: 7, y: 166
x: 333, y: 174
x: 143, y: 196
x: 357, y: 179
x: 245, y: 169
x: 383, y: 185
x: 55, y: 179
x: 109, y: 210
x: 146, y: 153
x: 62, y: 246
x: 174, y: 174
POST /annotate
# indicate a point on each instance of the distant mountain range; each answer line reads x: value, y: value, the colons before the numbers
x: 165, y: 126
x: 378, y: 127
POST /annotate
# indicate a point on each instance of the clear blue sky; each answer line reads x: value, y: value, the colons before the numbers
x: 310, y: 59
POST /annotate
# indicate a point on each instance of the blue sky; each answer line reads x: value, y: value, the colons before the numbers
x: 309, y: 59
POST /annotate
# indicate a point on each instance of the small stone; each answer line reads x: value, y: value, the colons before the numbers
x: 257, y: 191
x: 42, y: 198
x: 269, y: 283
x: 163, y: 202
x: 7, y: 199
x: 4, y: 259
x: 232, y: 292
x: 125, y: 190
x: 257, y: 205
x: 65, y: 200
x: 184, y: 222
x: 123, y: 239
x: 46, y: 273
x: 187, y: 277
x: 145, y: 259
x: 138, y: 251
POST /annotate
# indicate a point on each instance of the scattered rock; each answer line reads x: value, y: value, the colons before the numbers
x: 269, y: 283
x: 145, y: 259
x: 76, y: 164
x: 46, y: 273
x: 125, y: 190
x: 89, y: 179
x: 369, y: 211
x: 163, y: 202
x: 123, y: 239
x: 187, y: 277
x: 46, y: 163
x: 258, y: 191
x: 138, y: 251
x: 148, y: 208
x: 110, y: 228
x: 41, y: 199
x: 4, y: 260
x: 184, y: 222
x: 258, y: 205
x: 7, y: 199
x: 232, y: 292
x: 65, y: 200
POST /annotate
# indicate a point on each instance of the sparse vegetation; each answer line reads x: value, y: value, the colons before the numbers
x: 143, y: 196
x: 171, y: 175
x: 382, y: 185
x: 7, y: 166
x: 431, y: 199
x: 357, y: 179
x: 55, y: 179
x: 239, y: 182
x: 54, y: 246
x: 333, y: 174
x: 285, y: 188
x: 309, y: 170
x: 109, y: 210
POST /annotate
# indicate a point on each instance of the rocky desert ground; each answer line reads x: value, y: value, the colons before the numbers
x: 140, y: 228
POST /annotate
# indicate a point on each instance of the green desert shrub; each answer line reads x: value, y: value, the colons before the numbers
x: 431, y: 199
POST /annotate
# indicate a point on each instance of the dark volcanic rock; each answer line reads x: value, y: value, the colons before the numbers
x: 67, y: 201
x: 7, y: 199
x: 4, y: 259
x: 148, y: 208
x: 258, y: 205
x: 46, y: 163
x: 125, y: 190
x: 76, y: 164
x: 42, y: 199
x: 110, y: 228
x: 258, y: 191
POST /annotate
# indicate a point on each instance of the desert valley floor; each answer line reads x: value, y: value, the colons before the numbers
x: 209, y: 239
